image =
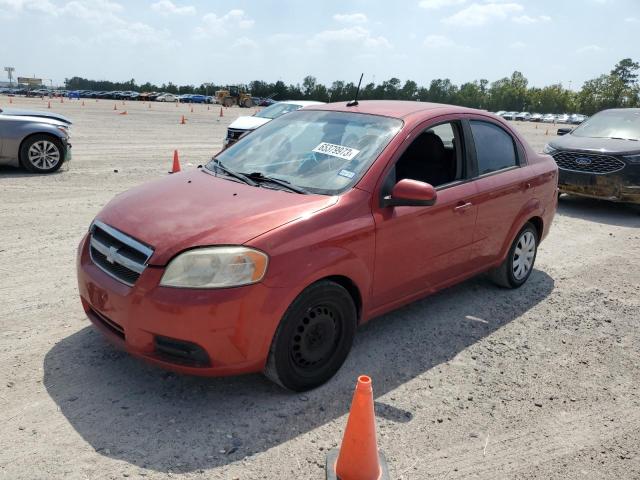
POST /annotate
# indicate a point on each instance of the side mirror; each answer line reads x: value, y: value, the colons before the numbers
x: 564, y: 131
x: 410, y: 193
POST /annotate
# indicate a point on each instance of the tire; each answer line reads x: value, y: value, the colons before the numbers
x: 248, y: 103
x: 228, y: 102
x: 313, y: 339
x: 517, y: 267
x: 42, y: 154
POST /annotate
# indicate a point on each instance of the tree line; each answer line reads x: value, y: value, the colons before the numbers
x: 618, y: 88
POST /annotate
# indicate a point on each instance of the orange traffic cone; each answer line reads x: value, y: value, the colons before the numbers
x: 49, y: 104
x: 207, y: 108
x: 183, y: 120
x: 221, y: 114
x: 115, y: 107
x: 83, y: 103
x: 191, y: 109
x: 358, y: 457
x: 176, y: 162
x: 547, y: 132
x: 10, y: 100
x: 123, y: 113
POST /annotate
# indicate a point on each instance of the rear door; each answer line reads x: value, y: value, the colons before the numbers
x: 502, y: 185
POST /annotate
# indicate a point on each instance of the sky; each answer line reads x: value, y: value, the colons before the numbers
x: 231, y: 42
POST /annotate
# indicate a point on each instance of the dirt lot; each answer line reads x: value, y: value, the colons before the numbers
x: 475, y: 382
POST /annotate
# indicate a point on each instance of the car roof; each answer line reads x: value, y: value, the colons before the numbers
x: 304, y: 103
x: 394, y: 108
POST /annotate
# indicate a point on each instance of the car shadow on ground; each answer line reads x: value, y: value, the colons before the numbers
x: 154, y: 419
x: 19, y: 172
x: 600, y: 211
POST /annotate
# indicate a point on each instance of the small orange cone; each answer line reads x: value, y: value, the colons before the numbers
x: 49, y: 104
x: 176, y: 162
x: 547, y: 132
x: 191, y: 109
x: 207, y: 107
x: 83, y: 103
x: 123, y: 113
x: 221, y: 114
x: 115, y: 107
x: 10, y: 100
x: 358, y: 457
x: 183, y: 120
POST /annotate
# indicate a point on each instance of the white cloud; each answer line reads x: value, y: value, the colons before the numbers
x: 350, y: 17
x: 16, y: 6
x: 167, y: 7
x: 244, y: 42
x: 631, y: 20
x: 478, y: 14
x: 356, y: 35
x: 215, y: 26
x: 435, y: 4
x: 590, y: 49
x: 527, y: 20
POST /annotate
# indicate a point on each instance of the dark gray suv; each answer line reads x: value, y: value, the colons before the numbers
x: 600, y: 158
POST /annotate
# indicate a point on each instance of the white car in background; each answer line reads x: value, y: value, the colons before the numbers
x: 242, y: 125
x: 167, y: 97
x: 549, y: 118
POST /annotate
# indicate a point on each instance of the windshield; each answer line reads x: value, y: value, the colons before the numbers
x: 611, y: 124
x: 277, y: 109
x: 321, y: 152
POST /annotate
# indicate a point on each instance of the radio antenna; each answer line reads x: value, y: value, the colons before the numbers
x: 354, y: 102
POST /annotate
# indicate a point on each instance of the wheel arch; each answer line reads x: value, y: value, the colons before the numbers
x: 351, y: 287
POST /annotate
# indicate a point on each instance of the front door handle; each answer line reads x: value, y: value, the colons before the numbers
x: 462, y: 206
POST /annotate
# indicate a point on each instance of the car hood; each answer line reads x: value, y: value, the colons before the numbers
x: 601, y: 145
x: 193, y: 209
x: 35, y: 113
x: 248, y: 123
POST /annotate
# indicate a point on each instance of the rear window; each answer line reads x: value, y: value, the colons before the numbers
x: 495, y: 149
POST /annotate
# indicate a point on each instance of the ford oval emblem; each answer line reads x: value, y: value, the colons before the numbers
x: 583, y: 161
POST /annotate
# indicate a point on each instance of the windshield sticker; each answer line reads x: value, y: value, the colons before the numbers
x: 346, y: 173
x: 340, y: 151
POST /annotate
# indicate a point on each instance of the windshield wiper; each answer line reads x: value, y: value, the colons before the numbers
x: 233, y: 173
x: 261, y: 177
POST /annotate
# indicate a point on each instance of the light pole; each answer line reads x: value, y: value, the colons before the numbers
x: 10, y: 71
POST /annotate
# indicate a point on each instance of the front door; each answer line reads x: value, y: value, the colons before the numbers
x: 421, y: 248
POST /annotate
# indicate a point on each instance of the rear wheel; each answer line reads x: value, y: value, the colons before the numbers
x: 42, y: 154
x: 313, y: 338
x: 228, y: 102
x: 517, y: 267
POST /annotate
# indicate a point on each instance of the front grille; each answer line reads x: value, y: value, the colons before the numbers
x: 233, y: 134
x: 117, y: 254
x: 588, y: 162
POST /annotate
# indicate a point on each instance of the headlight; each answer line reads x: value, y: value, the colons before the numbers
x: 549, y: 150
x: 216, y: 267
x: 632, y: 158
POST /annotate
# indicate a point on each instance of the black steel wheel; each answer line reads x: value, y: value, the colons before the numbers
x: 313, y: 338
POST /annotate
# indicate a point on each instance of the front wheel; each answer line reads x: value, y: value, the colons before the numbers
x: 517, y: 267
x: 42, y: 154
x: 313, y: 338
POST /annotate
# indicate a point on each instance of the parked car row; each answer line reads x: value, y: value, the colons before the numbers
x: 574, y: 119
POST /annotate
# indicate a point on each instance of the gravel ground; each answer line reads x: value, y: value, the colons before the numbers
x: 474, y: 382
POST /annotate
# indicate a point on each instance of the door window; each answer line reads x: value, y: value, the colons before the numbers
x: 434, y: 157
x: 495, y: 148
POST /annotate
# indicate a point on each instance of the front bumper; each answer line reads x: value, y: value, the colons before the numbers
x: 233, y: 326
x: 620, y: 186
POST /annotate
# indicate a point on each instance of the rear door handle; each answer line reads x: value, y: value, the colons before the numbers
x: 462, y: 206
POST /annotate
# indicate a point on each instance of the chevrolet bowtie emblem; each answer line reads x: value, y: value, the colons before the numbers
x: 111, y: 256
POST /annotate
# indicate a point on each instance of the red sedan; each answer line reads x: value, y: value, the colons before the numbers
x: 269, y: 257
